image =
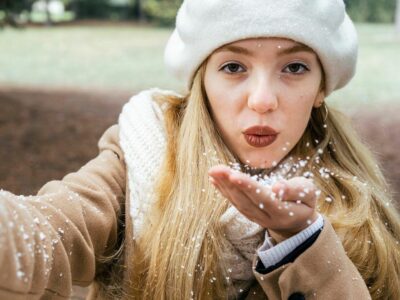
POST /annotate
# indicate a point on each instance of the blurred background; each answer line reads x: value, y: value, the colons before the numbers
x: 68, y: 66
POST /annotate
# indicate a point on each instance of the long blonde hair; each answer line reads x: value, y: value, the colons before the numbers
x: 179, y: 254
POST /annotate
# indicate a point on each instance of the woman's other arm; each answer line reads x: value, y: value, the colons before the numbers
x: 317, y: 269
x: 50, y: 241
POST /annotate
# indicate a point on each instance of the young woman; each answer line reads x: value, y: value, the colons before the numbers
x: 248, y: 186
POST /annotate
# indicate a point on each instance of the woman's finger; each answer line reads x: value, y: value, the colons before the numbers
x: 297, y: 189
x: 261, y: 195
x: 240, y: 200
x: 220, y: 187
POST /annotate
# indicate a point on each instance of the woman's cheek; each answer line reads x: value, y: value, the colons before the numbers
x: 297, y: 129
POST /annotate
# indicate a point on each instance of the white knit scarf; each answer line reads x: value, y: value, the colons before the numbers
x: 143, y: 140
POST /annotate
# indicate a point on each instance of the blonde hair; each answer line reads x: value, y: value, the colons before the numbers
x: 180, y: 252
x: 362, y: 211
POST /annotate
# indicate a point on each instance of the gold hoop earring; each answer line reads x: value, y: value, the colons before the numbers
x: 326, y: 111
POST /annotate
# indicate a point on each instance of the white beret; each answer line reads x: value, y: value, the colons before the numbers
x: 203, y: 26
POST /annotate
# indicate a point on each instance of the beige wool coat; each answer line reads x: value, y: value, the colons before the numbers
x: 60, y: 237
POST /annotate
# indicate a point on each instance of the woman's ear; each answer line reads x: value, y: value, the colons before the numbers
x: 319, y: 99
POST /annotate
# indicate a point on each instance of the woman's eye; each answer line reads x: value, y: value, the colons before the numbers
x: 296, y: 68
x: 232, y: 68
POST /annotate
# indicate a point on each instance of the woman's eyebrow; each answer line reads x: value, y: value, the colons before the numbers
x: 245, y: 51
x: 295, y: 48
x: 235, y: 49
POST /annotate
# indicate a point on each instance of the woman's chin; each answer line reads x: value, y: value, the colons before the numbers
x: 260, y: 163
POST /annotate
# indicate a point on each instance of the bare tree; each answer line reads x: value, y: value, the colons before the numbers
x: 48, y: 13
x: 138, y: 9
x: 398, y: 17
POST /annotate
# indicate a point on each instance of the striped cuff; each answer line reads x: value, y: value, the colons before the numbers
x: 271, y: 255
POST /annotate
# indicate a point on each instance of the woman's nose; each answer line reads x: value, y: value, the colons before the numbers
x: 262, y: 97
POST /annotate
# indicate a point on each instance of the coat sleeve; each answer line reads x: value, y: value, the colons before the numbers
x: 323, y: 271
x: 50, y: 241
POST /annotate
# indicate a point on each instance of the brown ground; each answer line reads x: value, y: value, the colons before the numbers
x: 379, y: 129
x: 44, y: 134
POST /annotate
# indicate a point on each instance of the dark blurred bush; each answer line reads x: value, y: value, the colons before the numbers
x: 162, y: 12
x: 372, y: 11
x: 96, y: 9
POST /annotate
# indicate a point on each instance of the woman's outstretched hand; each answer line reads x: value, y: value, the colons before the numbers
x: 285, y: 208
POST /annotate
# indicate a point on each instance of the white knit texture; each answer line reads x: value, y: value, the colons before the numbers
x: 143, y: 141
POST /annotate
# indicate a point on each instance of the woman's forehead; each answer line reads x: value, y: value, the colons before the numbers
x: 245, y: 46
x: 258, y: 40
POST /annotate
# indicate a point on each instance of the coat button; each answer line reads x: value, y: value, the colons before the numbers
x: 297, y: 296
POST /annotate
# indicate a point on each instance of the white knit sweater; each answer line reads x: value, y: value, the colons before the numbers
x: 143, y: 140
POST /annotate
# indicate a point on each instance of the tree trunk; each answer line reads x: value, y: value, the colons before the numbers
x: 398, y: 17
x: 139, y: 14
x: 48, y: 14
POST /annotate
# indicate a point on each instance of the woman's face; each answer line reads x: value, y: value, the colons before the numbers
x: 261, y: 93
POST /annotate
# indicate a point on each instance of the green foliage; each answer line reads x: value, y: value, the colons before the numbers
x: 14, y: 12
x: 15, y: 6
x: 163, y: 12
x: 371, y: 11
x: 97, y: 9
